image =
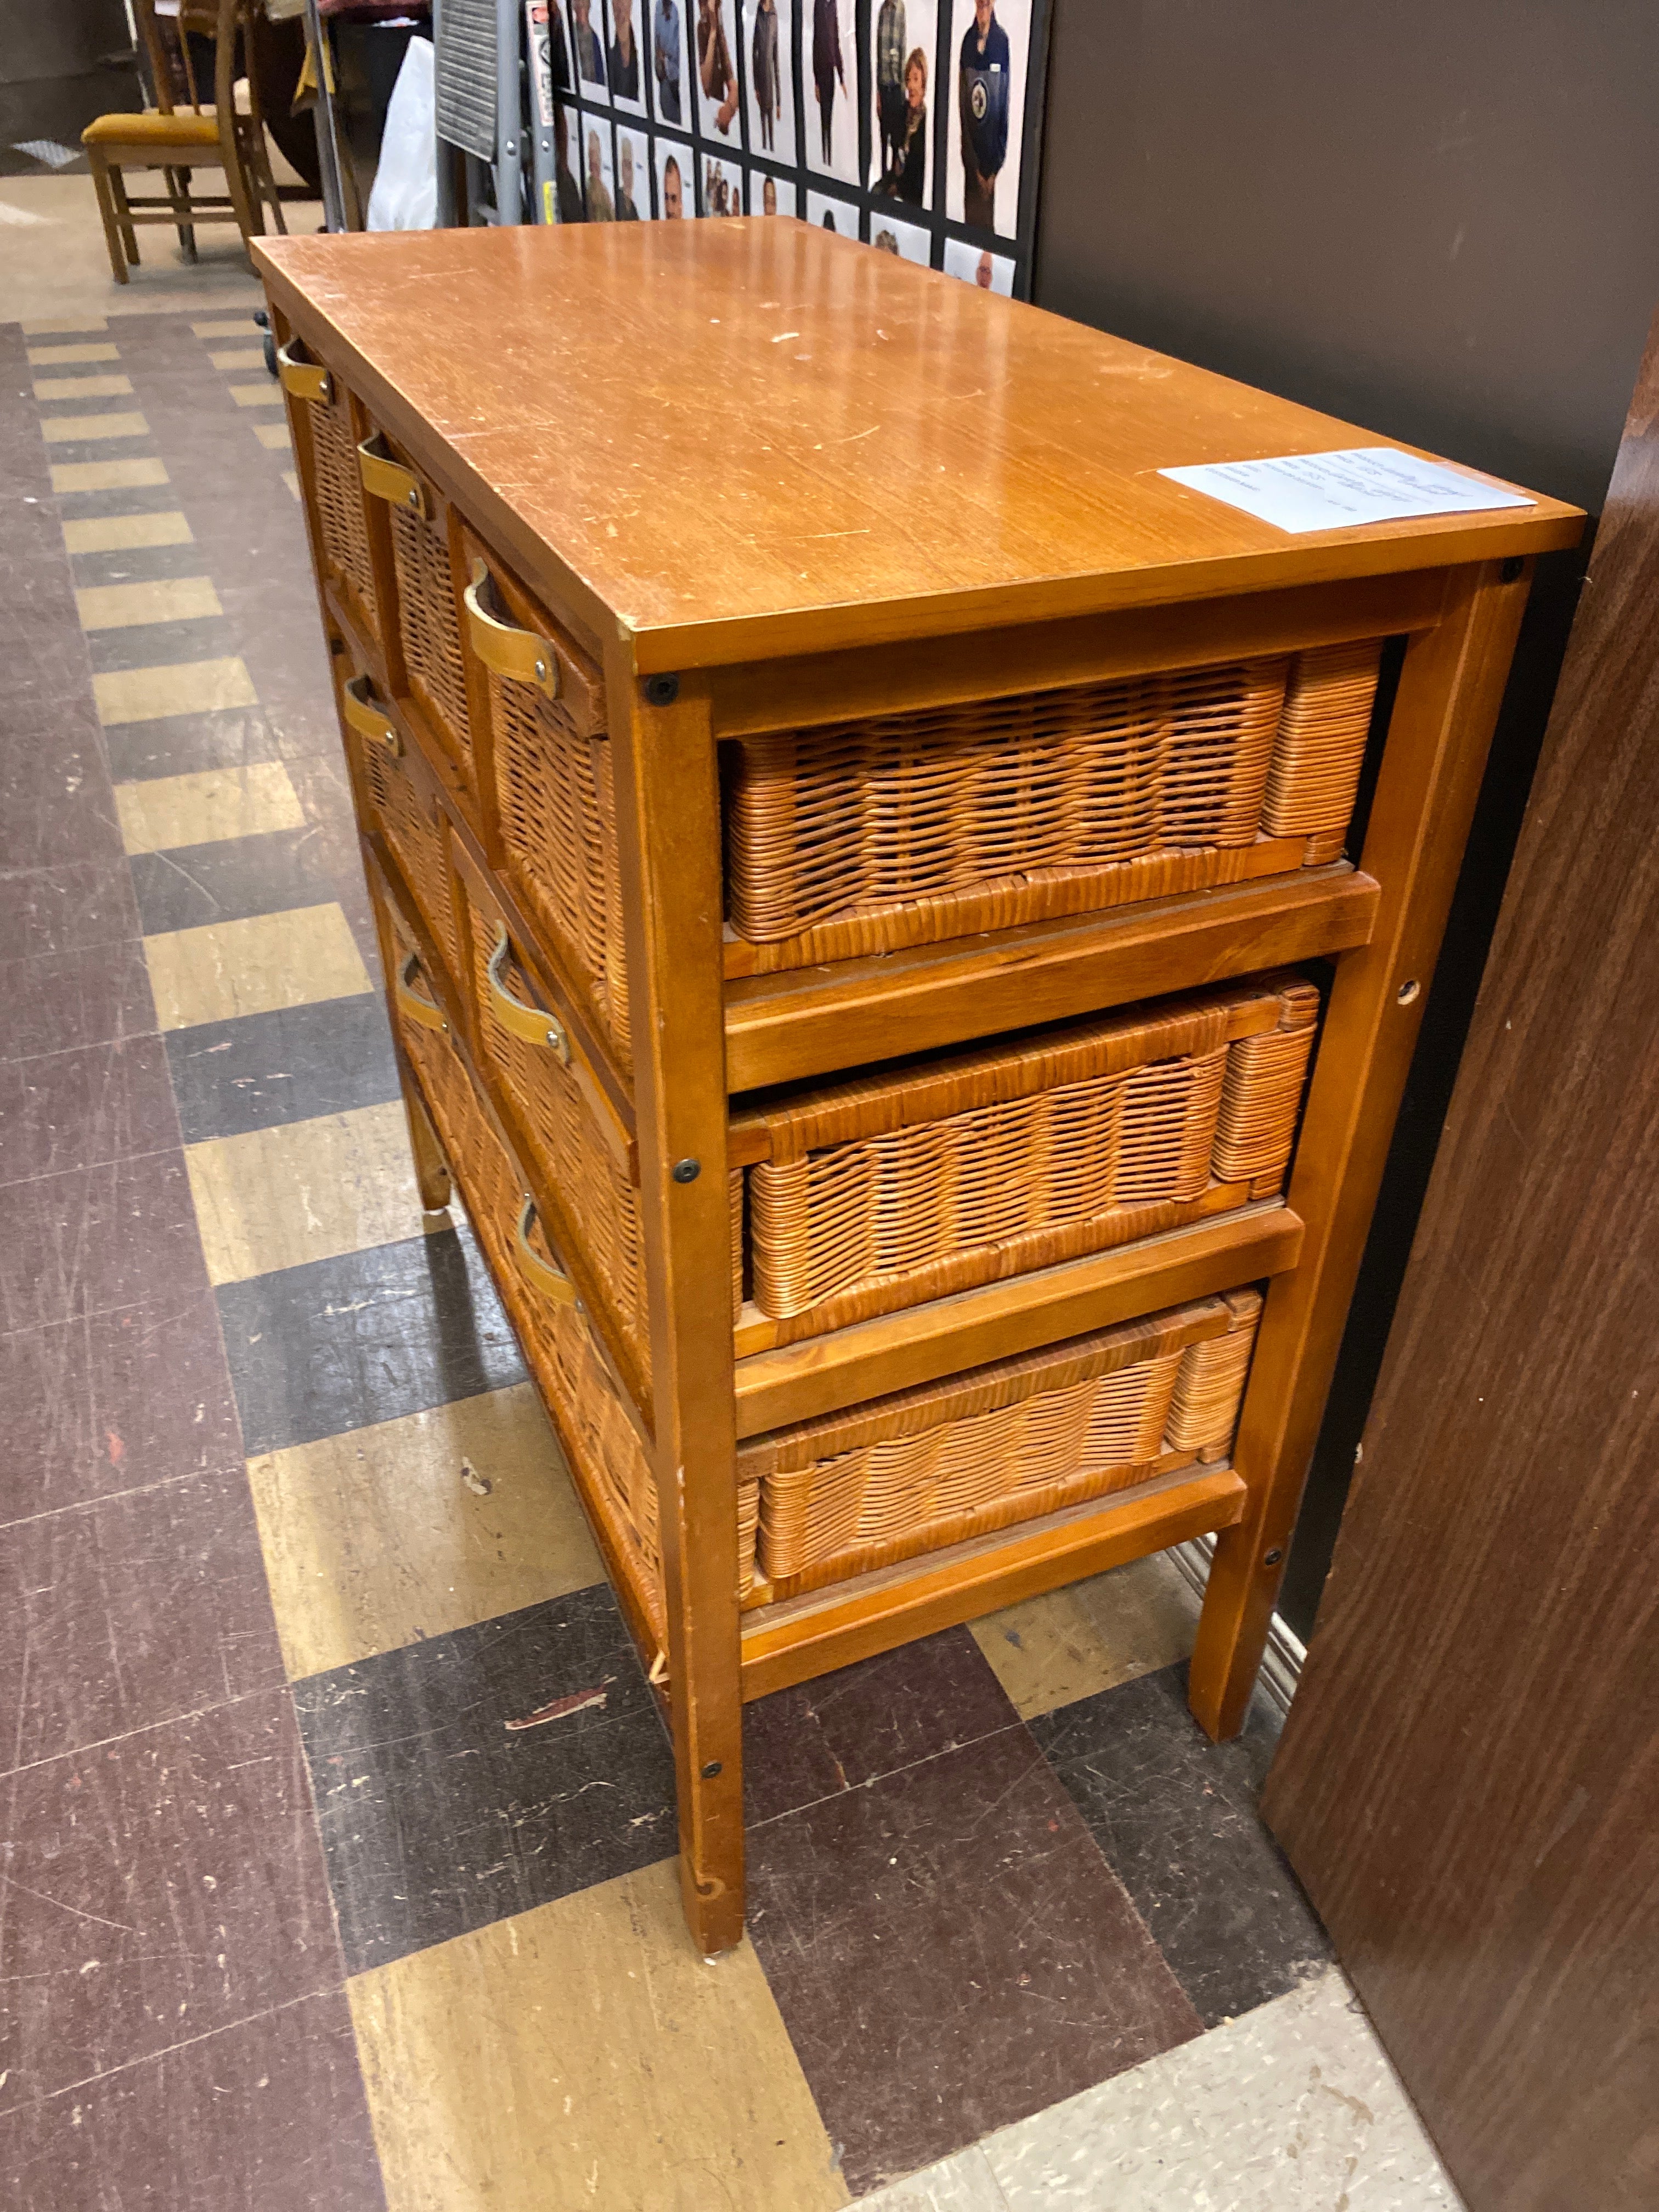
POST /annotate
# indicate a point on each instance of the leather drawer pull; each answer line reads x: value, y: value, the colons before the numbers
x: 305, y: 379
x: 530, y: 1023
x: 430, y: 1016
x: 517, y: 654
x: 384, y: 478
x: 369, y: 720
x: 547, y: 1279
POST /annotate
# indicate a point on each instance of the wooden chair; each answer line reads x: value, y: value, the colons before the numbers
x: 176, y: 140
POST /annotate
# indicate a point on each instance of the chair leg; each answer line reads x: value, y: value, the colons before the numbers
x: 117, y: 192
x: 178, y: 183
x: 117, y: 259
x: 236, y: 182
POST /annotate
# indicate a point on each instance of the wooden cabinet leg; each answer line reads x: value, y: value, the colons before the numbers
x: 1449, y: 691
x: 668, y: 829
x: 431, y: 1169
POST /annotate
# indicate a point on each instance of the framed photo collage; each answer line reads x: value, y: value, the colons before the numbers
x: 914, y: 125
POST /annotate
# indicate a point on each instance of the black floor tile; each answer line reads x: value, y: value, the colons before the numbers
x: 158, y: 644
x: 1175, y: 1816
x: 225, y: 882
x: 437, y: 1817
x: 137, y: 564
x: 369, y: 1336
x: 185, y: 745
x: 288, y: 1066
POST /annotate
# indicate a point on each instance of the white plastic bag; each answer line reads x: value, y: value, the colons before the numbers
x: 405, y: 194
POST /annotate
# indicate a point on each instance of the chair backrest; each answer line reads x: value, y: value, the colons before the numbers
x: 224, y: 24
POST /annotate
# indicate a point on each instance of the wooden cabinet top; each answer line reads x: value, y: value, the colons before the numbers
x: 734, y: 439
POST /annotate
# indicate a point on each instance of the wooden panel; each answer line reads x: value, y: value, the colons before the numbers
x: 808, y: 1636
x: 1469, y: 1785
x: 703, y: 545
x: 807, y: 1022
x: 823, y: 1373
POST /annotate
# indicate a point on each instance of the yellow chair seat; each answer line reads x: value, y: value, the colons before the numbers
x: 152, y: 130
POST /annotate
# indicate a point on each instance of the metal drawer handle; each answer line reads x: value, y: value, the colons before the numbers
x: 530, y: 1023
x: 549, y: 1280
x: 384, y: 478
x: 430, y: 1016
x: 368, y: 719
x: 305, y: 379
x: 517, y: 654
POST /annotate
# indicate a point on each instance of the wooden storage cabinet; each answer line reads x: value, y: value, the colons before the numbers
x: 855, y: 958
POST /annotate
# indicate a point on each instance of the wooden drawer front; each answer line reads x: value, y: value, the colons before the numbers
x: 555, y: 793
x: 888, y: 1190
x: 329, y: 423
x: 425, y: 536
x: 864, y: 837
x: 884, y: 1481
x: 400, y: 799
x: 608, y: 1457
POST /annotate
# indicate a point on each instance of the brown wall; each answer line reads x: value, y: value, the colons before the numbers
x: 1436, y: 221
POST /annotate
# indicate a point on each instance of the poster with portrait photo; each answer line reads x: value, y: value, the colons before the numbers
x: 903, y: 100
x: 830, y: 88
x: 908, y: 240
x: 769, y: 55
x: 568, y: 158
x: 719, y: 183
x: 989, y: 62
x: 633, y: 175
x: 976, y: 264
x: 770, y: 195
x: 675, y: 167
x: 585, y: 20
x: 829, y: 211
x: 624, y: 55
x: 671, y: 65
x: 599, y: 188
x: 714, y: 64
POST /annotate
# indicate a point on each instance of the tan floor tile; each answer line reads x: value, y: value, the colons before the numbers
x: 291, y: 479
x: 72, y: 430
x: 40, y: 326
x: 273, y: 436
x: 125, y: 533
x: 266, y: 393
x: 57, y: 356
x: 250, y: 356
x: 581, y: 2058
x: 184, y: 687
x: 239, y: 327
x: 165, y: 811
x: 1049, y: 1651
x: 83, y: 387
x: 374, y: 1539
x: 307, y: 1190
x: 165, y: 598
x: 253, y: 966
x: 108, y: 475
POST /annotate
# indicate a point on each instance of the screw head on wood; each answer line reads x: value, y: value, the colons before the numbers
x: 1272, y: 1558
x: 686, y: 1171
x: 1509, y: 570
x: 662, y: 691
x: 711, y: 1770
x: 1407, y: 992
x: 541, y: 671
x: 414, y: 496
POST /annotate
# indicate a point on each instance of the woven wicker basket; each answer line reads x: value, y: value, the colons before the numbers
x: 401, y: 801
x: 935, y: 1465
x: 426, y: 572
x: 891, y: 1188
x: 339, y: 505
x: 863, y: 837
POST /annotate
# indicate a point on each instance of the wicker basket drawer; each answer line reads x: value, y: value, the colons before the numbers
x: 554, y: 796
x: 883, y: 1191
x: 400, y: 801
x: 951, y: 1460
x: 329, y: 424
x: 865, y: 837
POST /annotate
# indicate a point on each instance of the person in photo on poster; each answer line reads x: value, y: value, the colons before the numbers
x: 984, y: 98
x: 715, y: 74
x: 989, y: 272
x: 766, y: 72
x: 907, y: 239
x: 722, y: 187
x: 624, y: 56
x: 673, y: 181
x: 890, y: 59
x: 601, y: 206
x: 666, y: 59
x: 550, y: 58
x: 770, y: 197
x: 631, y: 162
x: 884, y: 242
x: 570, y: 192
x: 825, y: 212
x: 828, y: 68
x: 906, y: 175
x: 586, y: 40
